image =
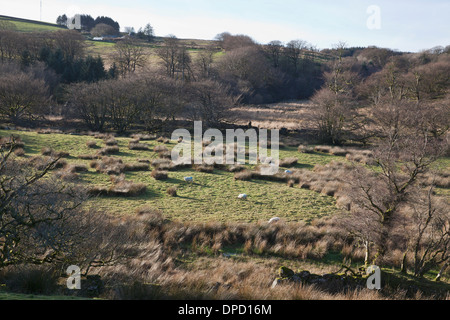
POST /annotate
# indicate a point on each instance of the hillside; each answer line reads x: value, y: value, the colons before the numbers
x: 25, y: 25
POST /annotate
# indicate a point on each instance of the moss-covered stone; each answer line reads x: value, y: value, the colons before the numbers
x: 285, y: 272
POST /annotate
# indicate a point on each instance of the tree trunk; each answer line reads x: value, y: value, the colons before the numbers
x: 444, y: 267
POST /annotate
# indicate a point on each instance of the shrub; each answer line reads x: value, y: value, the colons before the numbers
x: 31, y: 279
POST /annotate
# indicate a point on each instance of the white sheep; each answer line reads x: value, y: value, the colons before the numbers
x: 189, y: 179
x: 243, y: 196
x: 274, y: 220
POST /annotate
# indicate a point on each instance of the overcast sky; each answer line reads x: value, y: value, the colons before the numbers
x: 407, y: 25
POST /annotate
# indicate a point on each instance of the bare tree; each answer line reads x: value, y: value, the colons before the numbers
x: 294, y: 51
x: 274, y: 49
x: 129, y: 56
x: 29, y: 208
x: 429, y: 234
x: 88, y: 103
x: 22, y: 95
x: 70, y: 42
x: 210, y: 102
x: 103, y: 29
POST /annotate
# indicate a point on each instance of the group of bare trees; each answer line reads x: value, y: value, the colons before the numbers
x: 394, y: 208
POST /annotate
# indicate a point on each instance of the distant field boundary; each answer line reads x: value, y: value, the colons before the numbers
x: 31, y: 21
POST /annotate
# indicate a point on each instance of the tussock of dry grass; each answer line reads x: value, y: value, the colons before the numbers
x: 288, y: 162
x: 305, y: 149
x: 138, y: 146
x: 172, y: 191
x: 111, y: 142
x: 159, y: 175
x: 108, y: 165
x: 143, y: 137
x: 120, y: 188
x: 91, y: 144
x: 136, y: 167
x: 160, y: 148
x: 46, y: 151
x: 7, y: 142
x: 108, y: 150
x: 204, y: 168
x: 245, y: 175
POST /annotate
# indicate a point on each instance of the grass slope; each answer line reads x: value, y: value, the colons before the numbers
x: 212, y: 196
x: 25, y: 25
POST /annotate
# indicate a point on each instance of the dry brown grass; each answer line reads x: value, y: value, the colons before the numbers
x: 120, y: 188
x: 138, y: 146
x: 91, y: 144
x: 108, y: 165
x: 159, y: 175
x: 109, y: 150
x: 204, y: 168
x: 111, y: 142
x: 87, y: 156
x: 245, y: 175
x: 136, y: 166
x: 47, y: 151
x: 19, y: 152
x: 160, y: 148
x: 288, y: 162
x: 305, y: 149
x: 172, y: 191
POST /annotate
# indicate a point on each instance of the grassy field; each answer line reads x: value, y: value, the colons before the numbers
x: 212, y: 196
x: 23, y: 25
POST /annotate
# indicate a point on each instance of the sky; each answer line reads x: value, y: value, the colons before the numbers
x: 405, y: 25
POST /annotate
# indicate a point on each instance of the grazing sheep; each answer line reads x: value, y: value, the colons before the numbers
x: 189, y: 179
x: 243, y: 196
x: 274, y: 220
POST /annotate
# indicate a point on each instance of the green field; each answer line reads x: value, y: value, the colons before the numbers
x: 212, y: 196
x: 23, y: 25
